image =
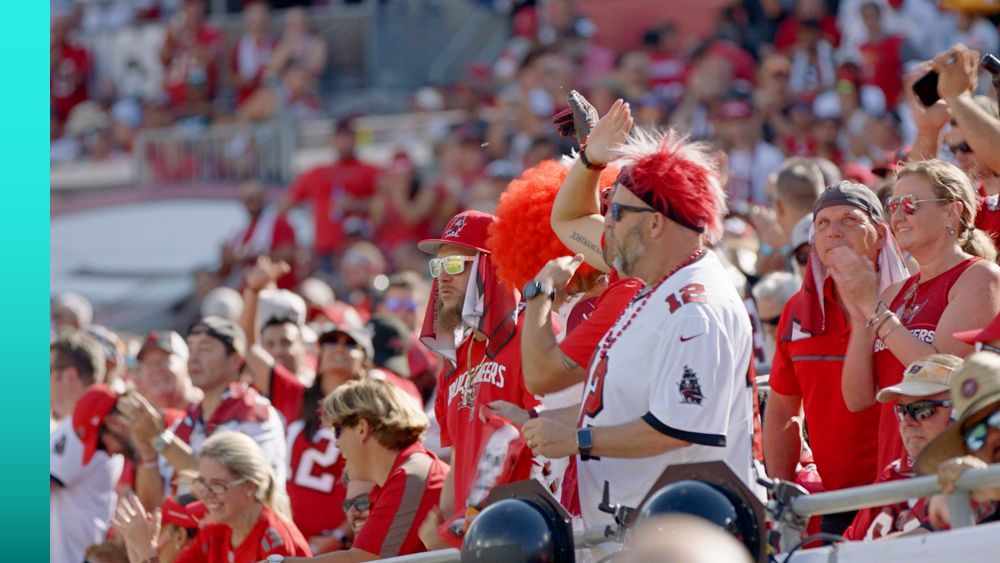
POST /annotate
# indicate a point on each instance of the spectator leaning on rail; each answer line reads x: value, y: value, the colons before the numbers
x: 973, y: 442
x: 670, y: 382
x: 923, y: 408
x: 378, y: 431
x: 812, y: 339
x: 956, y: 288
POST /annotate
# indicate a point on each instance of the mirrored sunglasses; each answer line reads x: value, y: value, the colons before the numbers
x: 452, y: 265
x: 908, y: 203
x: 360, y: 502
x: 920, y: 410
x: 975, y: 435
x: 394, y: 304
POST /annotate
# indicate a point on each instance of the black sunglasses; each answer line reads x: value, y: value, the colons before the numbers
x: 801, y: 255
x: 360, y: 502
x: 920, y: 409
x: 975, y: 435
x: 617, y: 208
x: 961, y: 147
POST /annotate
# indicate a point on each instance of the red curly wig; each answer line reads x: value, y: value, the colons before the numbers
x: 521, y: 239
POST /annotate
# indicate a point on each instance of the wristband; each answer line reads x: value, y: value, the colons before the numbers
x: 881, y: 310
x: 586, y: 162
x: 888, y: 333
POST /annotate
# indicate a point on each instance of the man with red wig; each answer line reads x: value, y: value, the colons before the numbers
x: 472, y: 322
x: 670, y: 382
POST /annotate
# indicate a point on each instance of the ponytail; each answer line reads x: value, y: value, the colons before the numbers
x: 276, y: 499
x: 977, y: 243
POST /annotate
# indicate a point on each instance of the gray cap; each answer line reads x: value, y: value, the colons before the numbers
x: 853, y: 194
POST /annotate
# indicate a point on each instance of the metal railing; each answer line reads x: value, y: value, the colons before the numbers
x: 216, y: 154
x: 802, y: 507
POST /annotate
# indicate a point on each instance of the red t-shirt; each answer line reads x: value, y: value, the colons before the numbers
x: 271, y: 535
x: 919, y: 312
x: 286, y: 393
x: 581, y: 343
x: 314, y: 485
x: 881, y: 65
x: 459, y: 397
x: 879, y: 521
x: 326, y: 187
x: 787, y: 35
x: 282, y: 234
x: 399, y: 507
x: 988, y: 214
x: 68, y: 78
x: 253, y: 56
x: 183, y: 61
x: 844, y: 444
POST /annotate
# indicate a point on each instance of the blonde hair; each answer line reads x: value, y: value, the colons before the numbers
x: 244, y: 458
x: 951, y: 184
x: 395, y: 420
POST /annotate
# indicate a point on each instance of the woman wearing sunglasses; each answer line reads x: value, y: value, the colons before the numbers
x: 956, y: 288
x: 923, y: 408
x: 973, y: 442
x: 248, y: 516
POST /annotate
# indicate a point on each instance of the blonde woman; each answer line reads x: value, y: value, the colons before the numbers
x: 378, y: 432
x: 248, y: 517
x: 932, y: 212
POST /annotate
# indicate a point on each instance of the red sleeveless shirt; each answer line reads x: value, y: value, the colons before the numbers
x: 919, y: 307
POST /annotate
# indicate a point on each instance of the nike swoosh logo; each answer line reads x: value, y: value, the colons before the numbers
x: 689, y: 338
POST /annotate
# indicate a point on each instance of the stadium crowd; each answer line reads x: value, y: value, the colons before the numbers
x: 574, y: 294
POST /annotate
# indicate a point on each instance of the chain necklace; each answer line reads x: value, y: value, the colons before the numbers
x: 612, y: 338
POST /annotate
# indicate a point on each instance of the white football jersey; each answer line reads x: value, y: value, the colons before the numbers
x: 682, y: 366
x: 80, y: 509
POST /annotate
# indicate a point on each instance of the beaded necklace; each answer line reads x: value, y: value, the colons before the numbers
x: 644, y: 299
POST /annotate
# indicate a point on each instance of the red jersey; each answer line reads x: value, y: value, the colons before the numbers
x: 881, y: 65
x: 399, y: 506
x: 68, y: 78
x: 264, y: 235
x: 249, y: 60
x: 667, y: 75
x: 327, y: 189
x: 879, y: 521
x: 286, y: 393
x: 185, y: 61
x: 844, y: 444
x: 314, y: 485
x: 919, y: 307
x: 988, y: 214
x: 477, y: 380
x: 580, y: 344
x: 271, y: 535
x: 787, y: 35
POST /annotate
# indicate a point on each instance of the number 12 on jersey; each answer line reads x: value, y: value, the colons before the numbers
x: 690, y: 293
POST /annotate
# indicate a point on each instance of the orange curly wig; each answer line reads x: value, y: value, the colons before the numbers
x: 521, y: 239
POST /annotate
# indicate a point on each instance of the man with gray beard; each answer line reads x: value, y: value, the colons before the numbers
x: 474, y: 325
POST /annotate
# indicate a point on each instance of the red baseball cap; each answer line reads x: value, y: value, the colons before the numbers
x: 185, y: 516
x: 91, y: 410
x: 469, y: 229
x: 734, y: 109
x: 991, y: 332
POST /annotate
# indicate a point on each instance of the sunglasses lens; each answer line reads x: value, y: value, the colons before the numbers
x: 454, y: 265
x: 435, y: 265
x: 921, y: 411
x: 975, y: 437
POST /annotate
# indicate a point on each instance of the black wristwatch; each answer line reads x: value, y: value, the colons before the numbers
x: 533, y: 289
x: 585, y: 442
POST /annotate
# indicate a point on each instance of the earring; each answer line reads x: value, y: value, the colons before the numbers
x: 951, y: 231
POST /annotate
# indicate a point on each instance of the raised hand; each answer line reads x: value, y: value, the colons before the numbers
x: 610, y: 133
x: 958, y: 70
x: 265, y: 273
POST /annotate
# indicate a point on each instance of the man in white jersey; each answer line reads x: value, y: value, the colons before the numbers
x: 670, y: 383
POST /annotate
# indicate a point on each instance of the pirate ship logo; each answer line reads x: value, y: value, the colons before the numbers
x: 690, y: 388
x: 455, y: 227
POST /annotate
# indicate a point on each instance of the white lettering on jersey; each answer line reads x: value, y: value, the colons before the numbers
x: 923, y: 334
x: 492, y: 373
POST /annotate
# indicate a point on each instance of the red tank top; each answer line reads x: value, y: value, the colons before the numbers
x: 919, y: 307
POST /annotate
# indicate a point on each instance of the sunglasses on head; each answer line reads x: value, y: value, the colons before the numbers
x: 961, y: 147
x: 908, y: 203
x: 975, y: 435
x: 617, y: 208
x: 360, y: 502
x: 452, y: 265
x: 920, y: 410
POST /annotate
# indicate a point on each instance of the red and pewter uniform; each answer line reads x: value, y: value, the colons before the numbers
x: 478, y: 380
x: 879, y: 521
x: 271, y: 535
x: 919, y: 307
x: 242, y: 410
x: 844, y: 444
x: 399, y: 507
x: 327, y: 188
x: 315, y: 487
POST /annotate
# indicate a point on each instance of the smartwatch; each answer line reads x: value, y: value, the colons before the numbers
x: 585, y: 442
x: 161, y: 442
x: 533, y: 289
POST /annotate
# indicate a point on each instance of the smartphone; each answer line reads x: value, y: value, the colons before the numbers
x: 991, y: 64
x: 926, y: 89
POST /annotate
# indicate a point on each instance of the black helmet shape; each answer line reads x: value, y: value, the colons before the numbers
x: 516, y: 530
x: 710, y: 502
